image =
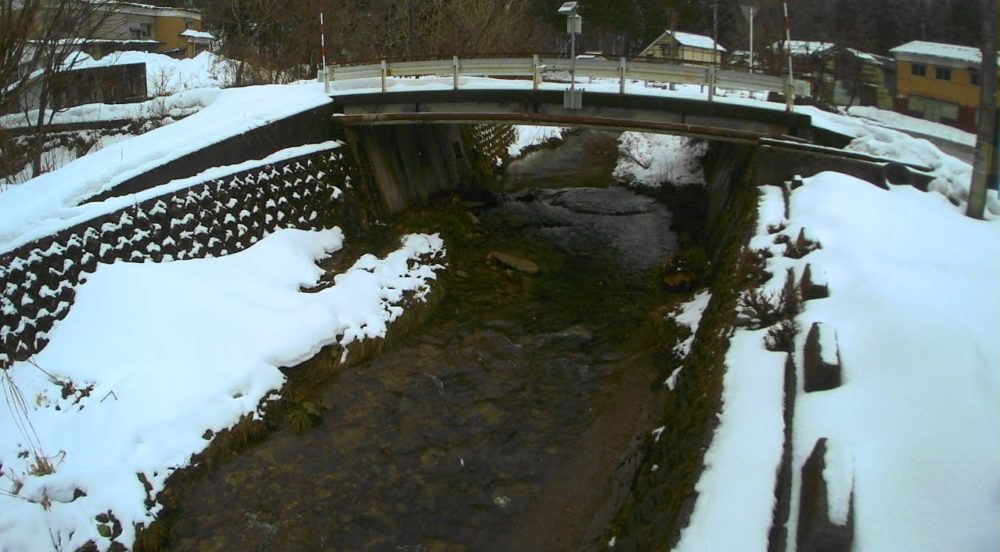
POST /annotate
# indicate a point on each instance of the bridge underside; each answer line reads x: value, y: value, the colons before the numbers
x: 664, y: 115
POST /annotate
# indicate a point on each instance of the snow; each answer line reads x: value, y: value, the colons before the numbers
x: 947, y: 52
x: 169, y: 351
x: 166, y: 75
x: 529, y: 136
x: 736, y: 490
x: 689, y: 315
x: 191, y: 33
x: 917, y: 332
x: 802, y: 47
x: 905, y: 123
x: 913, y: 429
x: 34, y: 208
x: 652, y: 159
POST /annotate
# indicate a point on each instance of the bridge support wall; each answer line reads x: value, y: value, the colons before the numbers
x: 410, y: 163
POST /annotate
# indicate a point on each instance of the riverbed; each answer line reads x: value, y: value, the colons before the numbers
x: 512, y: 418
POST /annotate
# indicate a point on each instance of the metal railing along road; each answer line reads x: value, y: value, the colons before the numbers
x: 539, y: 69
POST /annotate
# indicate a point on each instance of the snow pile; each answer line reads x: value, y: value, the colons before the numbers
x: 951, y: 176
x: 906, y: 123
x: 36, y: 205
x: 157, y: 354
x: 529, y: 137
x: 652, y: 159
x: 913, y: 429
x: 165, y: 75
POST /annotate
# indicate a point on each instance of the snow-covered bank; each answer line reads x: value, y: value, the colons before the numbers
x: 529, y: 136
x: 915, y: 307
x: 29, y: 208
x: 651, y: 159
x: 914, y: 429
x: 159, y: 353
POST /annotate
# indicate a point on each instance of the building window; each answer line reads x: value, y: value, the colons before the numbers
x: 974, y: 78
x: 942, y: 73
x: 918, y: 69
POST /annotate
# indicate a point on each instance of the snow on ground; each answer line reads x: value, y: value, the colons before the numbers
x: 915, y: 306
x: 913, y: 311
x: 33, y: 208
x: 906, y: 123
x: 176, y: 87
x: 652, y: 159
x: 169, y: 351
x: 529, y: 136
x: 736, y: 490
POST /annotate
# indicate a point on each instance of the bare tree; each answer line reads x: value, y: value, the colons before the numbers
x: 39, y: 41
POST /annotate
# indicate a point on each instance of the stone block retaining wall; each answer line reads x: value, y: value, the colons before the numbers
x: 219, y: 217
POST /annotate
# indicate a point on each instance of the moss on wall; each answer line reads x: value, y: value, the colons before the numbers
x: 662, y: 500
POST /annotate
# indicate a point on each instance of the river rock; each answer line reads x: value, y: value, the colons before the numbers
x: 516, y: 263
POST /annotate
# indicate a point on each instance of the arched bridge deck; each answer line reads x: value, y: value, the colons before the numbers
x: 717, y: 120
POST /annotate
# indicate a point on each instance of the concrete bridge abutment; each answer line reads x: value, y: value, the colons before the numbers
x: 408, y: 164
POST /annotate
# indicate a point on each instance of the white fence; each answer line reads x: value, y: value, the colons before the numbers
x: 539, y: 69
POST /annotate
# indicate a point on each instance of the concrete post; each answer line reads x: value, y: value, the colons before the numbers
x: 536, y: 73
x: 622, y: 67
x: 454, y: 70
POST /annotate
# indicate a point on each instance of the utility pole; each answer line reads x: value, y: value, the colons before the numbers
x: 715, y: 49
x: 985, y: 147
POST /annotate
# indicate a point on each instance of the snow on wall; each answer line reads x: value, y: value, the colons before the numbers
x: 225, y: 215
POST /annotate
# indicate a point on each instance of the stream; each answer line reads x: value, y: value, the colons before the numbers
x: 512, y: 419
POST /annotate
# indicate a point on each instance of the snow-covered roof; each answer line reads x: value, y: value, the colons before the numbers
x: 149, y: 9
x: 936, y: 50
x: 191, y: 33
x: 696, y: 40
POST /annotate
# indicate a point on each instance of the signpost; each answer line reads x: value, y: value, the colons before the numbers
x: 573, y: 98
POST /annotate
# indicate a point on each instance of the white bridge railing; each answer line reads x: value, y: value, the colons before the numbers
x: 540, y: 69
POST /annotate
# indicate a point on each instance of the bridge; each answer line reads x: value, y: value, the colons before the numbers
x: 689, y: 100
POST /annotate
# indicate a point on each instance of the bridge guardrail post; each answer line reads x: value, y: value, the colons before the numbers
x: 385, y: 74
x: 622, y: 68
x: 789, y: 96
x: 454, y: 71
x: 711, y: 84
x: 536, y: 72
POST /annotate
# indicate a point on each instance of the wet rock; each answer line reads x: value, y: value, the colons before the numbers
x: 512, y: 262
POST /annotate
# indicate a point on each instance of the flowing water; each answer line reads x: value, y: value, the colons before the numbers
x: 512, y: 419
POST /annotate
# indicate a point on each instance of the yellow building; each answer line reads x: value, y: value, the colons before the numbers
x: 679, y: 46
x: 939, y: 82
x: 176, y: 31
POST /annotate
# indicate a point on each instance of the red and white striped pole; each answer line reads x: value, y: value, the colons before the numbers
x: 322, y: 45
x: 790, y: 94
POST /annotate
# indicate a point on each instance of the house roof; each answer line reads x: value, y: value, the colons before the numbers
x: 954, y: 53
x: 695, y: 40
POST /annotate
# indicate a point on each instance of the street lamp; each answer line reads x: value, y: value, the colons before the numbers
x: 572, y: 99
